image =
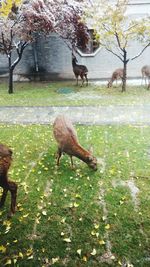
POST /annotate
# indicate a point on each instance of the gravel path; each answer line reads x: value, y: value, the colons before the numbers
x: 119, y: 114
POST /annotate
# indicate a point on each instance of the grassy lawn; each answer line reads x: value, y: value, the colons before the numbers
x: 78, y: 218
x: 67, y: 94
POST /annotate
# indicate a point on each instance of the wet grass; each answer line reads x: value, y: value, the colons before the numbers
x: 78, y: 217
x: 67, y: 94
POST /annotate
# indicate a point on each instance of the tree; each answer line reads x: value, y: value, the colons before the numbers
x: 20, y: 21
x: 10, y: 25
x: 115, y: 30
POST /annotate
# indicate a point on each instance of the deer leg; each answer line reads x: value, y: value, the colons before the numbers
x: 86, y: 79
x: 82, y: 78
x: 76, y: 80
x: 3, y: 198
x: 59, y: 153
x: 12, y: 187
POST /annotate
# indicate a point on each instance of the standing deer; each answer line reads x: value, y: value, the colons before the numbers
x: 145, y: 74
x: 66, y: 137
x: 79, y: 71
x: 5, y: 183
x: 117, y: 74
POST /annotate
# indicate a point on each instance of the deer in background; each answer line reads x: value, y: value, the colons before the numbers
x: 117, y: 74
x: 5, y: 183
x: 79, y: 71
x: 66, y: 137
x: 145, y: 70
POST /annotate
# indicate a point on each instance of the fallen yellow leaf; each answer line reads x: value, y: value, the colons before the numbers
x: 67, y: 240
x: 2, y: 249
x: 79, y: 252
x: 93, y: 253
x: 107, y: 226
x: 101, y: 242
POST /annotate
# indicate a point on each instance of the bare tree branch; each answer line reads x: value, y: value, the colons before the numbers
x: 140, y: 52
x: 110, y: 50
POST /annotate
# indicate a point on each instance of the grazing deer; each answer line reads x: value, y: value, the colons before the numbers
x: 5, y: 183
x: 66, y: 137
x: 117, y: 74
x: 145, y: 74
x: 79, y: 71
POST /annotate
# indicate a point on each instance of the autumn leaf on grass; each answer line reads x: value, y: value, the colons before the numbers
x: 77, y: 196
x: 25, y: 215
x: 8, y: 226
x: 29, y: 252
x: 122, y: 201
x: 63, y: 220
x: 93, y: 233
x: 84, y: 258
x: 14, y: 261
x: 1, y: 212
x: 8, y: 262
x: 20, y: 255
x: 101, y: 242
x: 120, y: 263
x: 2, y: 249
x: 75, y: 204
x: 93, y: 253
x: 96, y: 226
x: 67, y: 240
x: 104, y: 218
x: 107, y: 227
x: 54, y: 260
x: 79, y: 251
x: 15, y: 241
x: 44, y: 212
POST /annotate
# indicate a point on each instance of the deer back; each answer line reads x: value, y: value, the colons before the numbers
x: 5, y: 159
x: 64, y: 133
x: 118, y: 73
x: 66, y: 137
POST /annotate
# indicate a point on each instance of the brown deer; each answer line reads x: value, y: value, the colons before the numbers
x: 66, y: 137
x: 5, y: 183
x: 117, y: 74
x: 79, y: 71
x: 145, y: 70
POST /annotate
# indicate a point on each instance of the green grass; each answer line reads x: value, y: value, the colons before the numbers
x: 48, y: 94
x: 80, y: 206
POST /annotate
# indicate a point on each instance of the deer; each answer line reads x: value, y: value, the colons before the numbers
x: 145, y: 70
x: 116, y: 75
x: 79, y: 71
x: 5, y: 183
x: 67, y: 140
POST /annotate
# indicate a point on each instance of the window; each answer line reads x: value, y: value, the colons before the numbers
x: 92, y: 45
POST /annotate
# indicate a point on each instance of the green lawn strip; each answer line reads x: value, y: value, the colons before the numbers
x: 26, y: 155
x: 71, y: 215
x: 125, y: 235
x: 51, y: 94
x: 61, y: 217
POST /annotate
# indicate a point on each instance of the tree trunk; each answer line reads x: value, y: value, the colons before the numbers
x: 10, y: 87
x: 124, y: 80
x: 10, y: 90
